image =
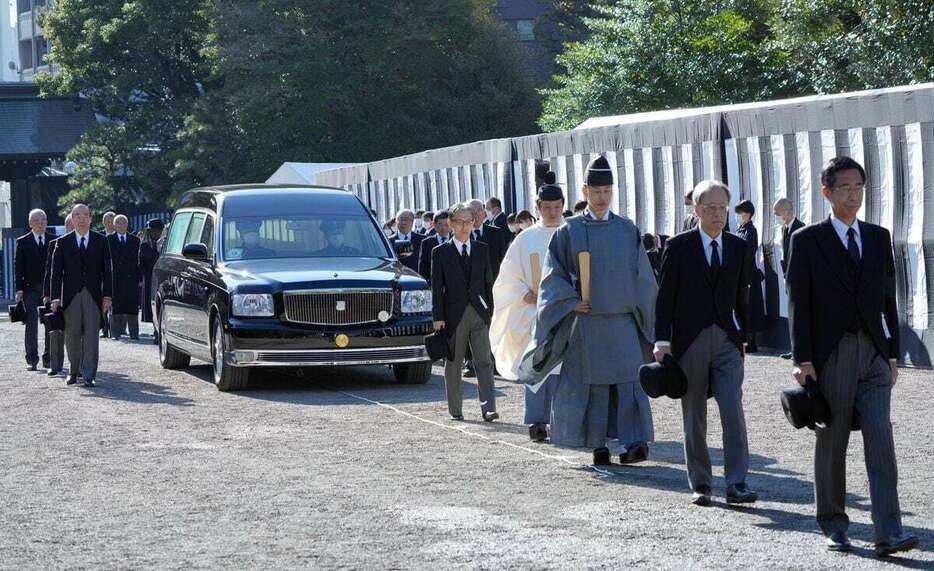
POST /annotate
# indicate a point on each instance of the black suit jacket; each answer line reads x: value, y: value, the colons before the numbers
x: 30, y: 261
x: 450, y: 290
x: 424, y: 255
x: 497, y: 241
x: 47, y: 280
x: 786, y: 242
x: 827, y: 291
x: 68, y: 275
x: 690, y: 299
x: 500, y: 221
x: 126, y: 273
x: 410, y: 261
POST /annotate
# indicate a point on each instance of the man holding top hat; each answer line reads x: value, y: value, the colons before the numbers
x: 56, y: 337
x: 845, y: 335
x: 595, y: 314
x: 515, y: 295
x: 124, y: 251
x: 148, y: 255
x: 29, y: 264
x: 702, y: 299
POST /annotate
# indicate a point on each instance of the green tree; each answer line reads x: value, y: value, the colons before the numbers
x: 141, y: 65
x: 644, y: 55
x: 332, y: 80
x: 846, y: 45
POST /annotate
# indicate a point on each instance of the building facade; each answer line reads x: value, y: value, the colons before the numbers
x: 526, y: 19
x: 32, y: 47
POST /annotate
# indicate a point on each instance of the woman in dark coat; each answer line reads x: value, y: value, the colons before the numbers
x: 756, y: 315
x: 148, y: 254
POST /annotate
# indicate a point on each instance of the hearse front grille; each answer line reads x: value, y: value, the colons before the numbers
x: 349, y: 307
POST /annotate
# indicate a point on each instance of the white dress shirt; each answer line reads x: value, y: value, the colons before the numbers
x: 404, y: 237
x: 606, y: 215
x: 841, y: 228
x: 460, y: 246
x: 708, y: 249
x: 87, y: 239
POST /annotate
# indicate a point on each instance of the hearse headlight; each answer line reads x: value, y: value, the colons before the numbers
x: 417, y: 301
x: 253, y: 305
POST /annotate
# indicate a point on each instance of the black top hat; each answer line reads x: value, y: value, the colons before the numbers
x: 155, y: 224
x: 665, y: 378
x: 806, y: 405
x: 438, y: 346
x: 54, y: 320
x: 17, y: 312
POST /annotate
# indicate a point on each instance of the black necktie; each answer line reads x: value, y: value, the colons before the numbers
x: 851, y: 246
x: 464, y: 255
x: 714, y: 259
x: 41, y: 243
x: 82, y: 244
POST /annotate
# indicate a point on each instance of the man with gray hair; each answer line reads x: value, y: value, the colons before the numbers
x: 107, y: 221
x: 785, y: 211
x: 495, y: 238
x: 699, y: 321
x: 56, y: 338
x: 82, y: 283
x: 29, y: 272
x: 406, y: 242
x: 124, y: 252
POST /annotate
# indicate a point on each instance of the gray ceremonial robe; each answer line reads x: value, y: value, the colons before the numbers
x: 597, y: 395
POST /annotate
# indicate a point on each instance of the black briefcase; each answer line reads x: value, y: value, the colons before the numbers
x: 17, y: 312
x: 54, y: 320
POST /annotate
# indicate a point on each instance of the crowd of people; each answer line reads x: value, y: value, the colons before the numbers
x: 82, y: 286
x: 576, y: 305
x: 581, y: 307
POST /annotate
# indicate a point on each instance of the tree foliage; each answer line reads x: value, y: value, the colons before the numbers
x: 210, y: 92
x: 646, y: 55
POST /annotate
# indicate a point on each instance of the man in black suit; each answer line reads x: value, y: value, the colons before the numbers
x: 845, y: 335
x: 702, y: 301
x: 82, y: 282
x: 442, y: 228
x: 790, y: 224
x: 405, y: 241
x: 124, y: 252
x: 494, y: 208
x: 462, y: 292
x: 494, y: 237
x: 29, y: 264
x: 428, y: 220
x: 56, y: 338
x: 107, y: 225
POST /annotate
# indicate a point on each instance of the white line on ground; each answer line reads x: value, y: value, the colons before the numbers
x: 464, y: 430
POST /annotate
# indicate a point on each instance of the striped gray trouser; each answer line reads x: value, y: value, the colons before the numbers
x: 856, y: 376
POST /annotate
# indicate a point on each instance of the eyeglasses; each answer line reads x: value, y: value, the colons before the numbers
x: 854, y: 189
x: 712, y: 208
x: 459, y: 221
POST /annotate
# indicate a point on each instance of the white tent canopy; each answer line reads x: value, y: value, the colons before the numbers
x: 302, y: 173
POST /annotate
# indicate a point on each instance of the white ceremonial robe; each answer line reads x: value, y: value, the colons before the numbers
x: 513, y: 318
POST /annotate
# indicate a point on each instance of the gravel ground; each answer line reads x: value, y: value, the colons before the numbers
x: 344, y: 469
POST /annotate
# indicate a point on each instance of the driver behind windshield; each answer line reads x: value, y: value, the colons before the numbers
x: 333, y: 231
x: 251, y: 247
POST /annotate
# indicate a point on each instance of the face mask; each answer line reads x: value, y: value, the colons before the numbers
x: 419, y: 224
x: 388, y: 232
x: 336, y: 240
x: 524, y: 225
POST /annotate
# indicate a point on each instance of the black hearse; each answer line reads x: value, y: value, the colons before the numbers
x: 285, y: 276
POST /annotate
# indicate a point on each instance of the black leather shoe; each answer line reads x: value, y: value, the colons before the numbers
x: 701, y: 498
x: 32, y: 367
x: 838, y: 541
x: 457, y: 417
x: 72, y: 379
x: 469, y: 373
x: 635, y: 453
x: 786, y: 355
x: 134, y: 338
x: 53, y: 373
x: 490, y: 416
x: 898, y: 544
x: 740, y: 494
x: 45, y: 364
x: 601, y: 456
x: 89, y: 382
x: 538, y: 433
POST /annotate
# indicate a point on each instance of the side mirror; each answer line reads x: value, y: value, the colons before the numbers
x: 195, y: 250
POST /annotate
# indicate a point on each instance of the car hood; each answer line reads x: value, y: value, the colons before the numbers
x: 313, y: 273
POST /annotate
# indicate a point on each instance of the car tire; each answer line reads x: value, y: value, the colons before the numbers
x: 227, y: 378
x: 412, y: 373
x: 170, y: 357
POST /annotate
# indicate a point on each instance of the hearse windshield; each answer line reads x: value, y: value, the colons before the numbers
x: 294, y: 235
